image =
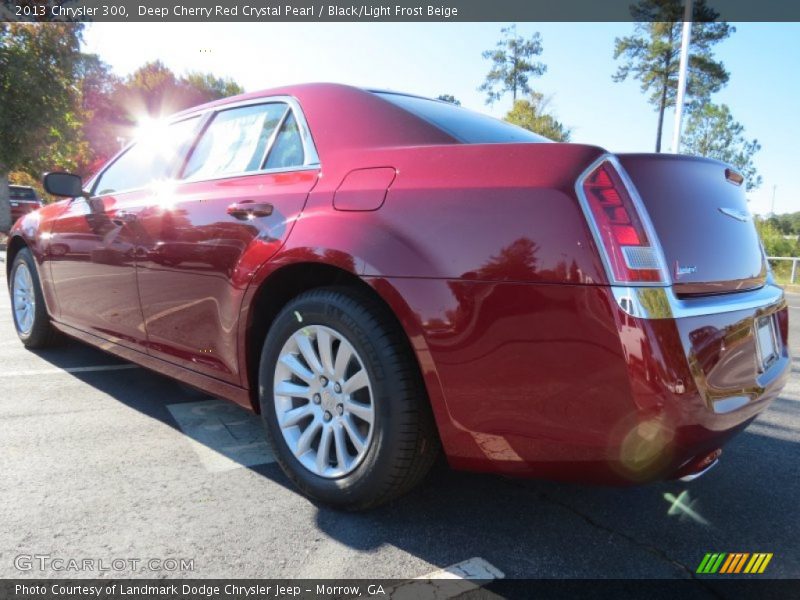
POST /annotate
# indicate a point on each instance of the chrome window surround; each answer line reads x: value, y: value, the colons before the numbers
x: 662, y: 303
x: 311, y: 157
x: 641, y: 212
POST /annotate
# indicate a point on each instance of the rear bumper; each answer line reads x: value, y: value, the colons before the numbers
x: 562, y: 382
x: 696, y: 373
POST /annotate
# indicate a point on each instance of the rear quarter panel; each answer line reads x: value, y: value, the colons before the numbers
x: 499, y: 212
x: 484, y: 255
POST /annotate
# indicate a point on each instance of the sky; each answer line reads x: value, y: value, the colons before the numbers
x: 445, y: 58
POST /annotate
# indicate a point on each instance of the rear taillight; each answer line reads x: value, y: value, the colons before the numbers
x: 631, y: 254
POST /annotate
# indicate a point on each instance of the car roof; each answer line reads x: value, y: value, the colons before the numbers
x: 300, y: 89
x: 369, y: 121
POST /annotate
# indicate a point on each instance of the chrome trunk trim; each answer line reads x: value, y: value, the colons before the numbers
x: 662, y: 303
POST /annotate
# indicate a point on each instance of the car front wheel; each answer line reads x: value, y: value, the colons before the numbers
x: 27, y: 303
x: 343, y: 402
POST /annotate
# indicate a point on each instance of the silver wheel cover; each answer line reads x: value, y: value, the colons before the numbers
x: 323, y: 401
x: 23, y: 299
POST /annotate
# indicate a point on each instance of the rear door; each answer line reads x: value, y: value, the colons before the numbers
x: 235, y: 201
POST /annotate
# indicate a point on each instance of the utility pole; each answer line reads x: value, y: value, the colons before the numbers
x: 683, y: 66
x: 772, y: 209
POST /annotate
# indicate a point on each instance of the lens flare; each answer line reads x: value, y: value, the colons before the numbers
x: 164, y: 193
x: 154, y: 133
x: 684, y: 506
x: 646, y: 447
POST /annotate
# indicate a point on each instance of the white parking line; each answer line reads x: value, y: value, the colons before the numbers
x: 472, y: 569
x: 57, y: 371
x: 224, y: 436
x: 450, y: 582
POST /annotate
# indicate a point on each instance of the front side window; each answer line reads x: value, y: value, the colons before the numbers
x: 151, y: 158
x: 236, y: 141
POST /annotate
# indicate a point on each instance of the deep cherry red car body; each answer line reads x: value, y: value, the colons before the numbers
x: 538, y: 357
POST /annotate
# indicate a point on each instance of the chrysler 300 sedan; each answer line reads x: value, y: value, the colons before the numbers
x: 384, y: 277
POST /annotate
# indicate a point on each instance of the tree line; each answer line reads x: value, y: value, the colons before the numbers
x: 67, y: 109
x: 651, y: 56
x: 64, y: 109
x: 780, y: 234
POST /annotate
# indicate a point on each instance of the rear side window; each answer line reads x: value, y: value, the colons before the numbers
x: 466, y: 126
x: 151, y: 158
x: 288, y: 148
x: 236, y: 141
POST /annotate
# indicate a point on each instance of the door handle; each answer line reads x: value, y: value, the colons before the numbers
x: 247, y: 210
x: 122, y: 217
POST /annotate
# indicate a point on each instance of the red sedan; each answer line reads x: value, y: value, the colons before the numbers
x: 23, y: 199
x: 382, y: 275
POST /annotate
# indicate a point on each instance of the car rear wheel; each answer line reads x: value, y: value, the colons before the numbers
x: 342, y: 400
x: 27, y: 304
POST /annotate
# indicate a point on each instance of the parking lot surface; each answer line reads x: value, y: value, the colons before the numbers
x: 103, y: 460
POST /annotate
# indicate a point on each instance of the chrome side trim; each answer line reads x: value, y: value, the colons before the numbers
x: 661, y: 302
x: 641, y: 211
x: 693, y: 476
x: 247, y: 174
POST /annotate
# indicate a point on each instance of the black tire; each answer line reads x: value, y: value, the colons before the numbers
x: 41, y: 334
x: 404, y: 442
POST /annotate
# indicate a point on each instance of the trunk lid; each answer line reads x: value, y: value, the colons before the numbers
x: 702, y: 221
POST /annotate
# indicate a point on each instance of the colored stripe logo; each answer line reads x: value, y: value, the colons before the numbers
x: 731, y: 563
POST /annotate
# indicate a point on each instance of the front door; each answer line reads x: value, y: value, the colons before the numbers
x: 92, y: 262
x: 94, y: 243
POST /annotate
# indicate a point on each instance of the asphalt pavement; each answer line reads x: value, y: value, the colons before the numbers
x: 102, y: 460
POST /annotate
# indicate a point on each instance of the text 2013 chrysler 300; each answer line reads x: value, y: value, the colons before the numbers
x: 381, y: 275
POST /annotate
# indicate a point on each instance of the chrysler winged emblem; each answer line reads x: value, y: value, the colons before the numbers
x: 739, y: 215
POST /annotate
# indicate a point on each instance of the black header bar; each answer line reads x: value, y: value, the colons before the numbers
x: 704, y: 588
x: 227, y: 11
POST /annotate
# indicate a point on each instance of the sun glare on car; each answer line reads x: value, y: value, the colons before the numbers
x: 152, y: 132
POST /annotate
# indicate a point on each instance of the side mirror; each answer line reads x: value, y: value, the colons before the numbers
x: 63, y: 184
